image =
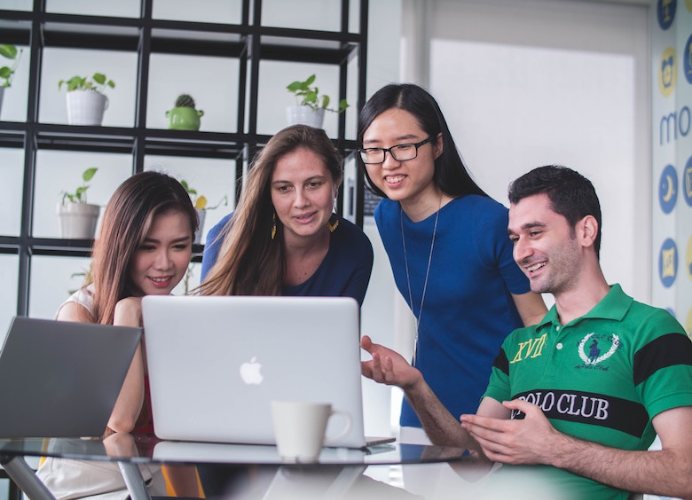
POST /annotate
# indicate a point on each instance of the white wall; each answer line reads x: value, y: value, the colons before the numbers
x: 553, y: 82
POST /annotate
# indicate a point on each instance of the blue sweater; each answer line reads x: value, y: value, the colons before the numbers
x: 344, y: 272
x: 468, y: 308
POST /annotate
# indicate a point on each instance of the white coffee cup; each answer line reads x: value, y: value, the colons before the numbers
x: 299, y: 428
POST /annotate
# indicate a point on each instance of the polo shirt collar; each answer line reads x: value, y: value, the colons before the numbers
x: 613, y: 306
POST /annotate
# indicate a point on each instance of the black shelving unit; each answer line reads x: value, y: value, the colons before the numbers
x: 248, y: 42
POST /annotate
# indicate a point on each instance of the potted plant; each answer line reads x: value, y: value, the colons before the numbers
x: 184, y: 116
x: 200, y: 203
x: 7, y: 51
x: 311, y: 104
x: 77, y: 217
x: 86, y: 100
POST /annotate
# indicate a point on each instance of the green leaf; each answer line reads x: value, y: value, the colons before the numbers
x: 89, y: 173
x: 79, y: 194
x: 294, y: 86
x: 8, y: 50
x: 310, y: 98
x: 5, y: 72
x: 97, y: 82
x: 74, y: 83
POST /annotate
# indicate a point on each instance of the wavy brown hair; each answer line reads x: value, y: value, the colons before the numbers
x: 128, y: 216
x: 250, y: 261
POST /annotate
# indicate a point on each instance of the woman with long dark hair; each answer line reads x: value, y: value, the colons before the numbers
x: 447, y: 245
x: 143, y: 248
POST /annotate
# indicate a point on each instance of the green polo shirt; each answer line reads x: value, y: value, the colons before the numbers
x: 602, y: 377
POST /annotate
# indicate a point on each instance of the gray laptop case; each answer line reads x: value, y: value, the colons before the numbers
x: 61, y: 379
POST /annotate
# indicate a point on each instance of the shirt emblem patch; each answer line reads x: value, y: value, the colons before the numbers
x: 595, y: 348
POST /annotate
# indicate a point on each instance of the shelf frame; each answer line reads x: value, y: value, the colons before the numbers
x: 247, y: 42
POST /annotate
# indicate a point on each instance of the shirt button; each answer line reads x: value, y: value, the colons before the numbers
x: 557, y: 328
x: 559, y: 346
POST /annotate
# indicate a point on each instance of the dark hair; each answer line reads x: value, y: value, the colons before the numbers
x: 251, y: 262
x: 128, y: 216
x: 451, y: 175
x: 571, y: 194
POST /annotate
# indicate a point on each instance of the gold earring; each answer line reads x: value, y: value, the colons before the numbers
x: 273, y: 225
x: 332, y: 225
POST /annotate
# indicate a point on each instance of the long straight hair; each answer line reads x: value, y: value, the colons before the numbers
x: 126, y: 221
x: 251, y: 262
x: 451, y: 175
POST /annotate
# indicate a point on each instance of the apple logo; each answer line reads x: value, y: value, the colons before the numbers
x: 250, y: 372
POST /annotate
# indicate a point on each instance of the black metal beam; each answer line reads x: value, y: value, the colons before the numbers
x: 248, y: 42
x: 297, y: 53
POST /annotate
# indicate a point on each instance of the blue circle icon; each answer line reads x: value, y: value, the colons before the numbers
x: 668, y: 263
x: 687, y: 181
x: 668, y: 189
x: 687, y: 60
x: 665, y: 10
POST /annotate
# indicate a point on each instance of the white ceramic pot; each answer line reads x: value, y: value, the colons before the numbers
x: 78, y: 220
x: 86, y: 107
x: 201, y: 214
x: 304, y: 115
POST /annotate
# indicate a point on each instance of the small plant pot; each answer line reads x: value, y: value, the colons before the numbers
x: 304, y: 115
x: 86, y: 107
x: 2, y: 94
x: 78, y: 220
x: 184, y: 118
x: 201, y: 214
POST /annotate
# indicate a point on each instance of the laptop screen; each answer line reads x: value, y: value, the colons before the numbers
x: 216, y: 363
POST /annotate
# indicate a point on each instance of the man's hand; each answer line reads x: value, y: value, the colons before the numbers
x: 388, y: 366
x: 532, y: 440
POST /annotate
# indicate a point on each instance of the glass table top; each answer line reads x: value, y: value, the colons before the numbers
x: 149, y: 449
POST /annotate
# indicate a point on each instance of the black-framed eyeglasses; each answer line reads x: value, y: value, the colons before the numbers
x: 400, y: 152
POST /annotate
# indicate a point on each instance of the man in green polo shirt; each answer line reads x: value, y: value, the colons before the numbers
x: 586, y: 389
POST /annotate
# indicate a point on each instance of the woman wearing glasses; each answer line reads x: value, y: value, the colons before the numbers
x: 447, y: 245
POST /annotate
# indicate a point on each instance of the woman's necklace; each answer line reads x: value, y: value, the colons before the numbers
x: 427, y: 275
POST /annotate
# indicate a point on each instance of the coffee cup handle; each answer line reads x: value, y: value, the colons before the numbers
x: 346, y: 429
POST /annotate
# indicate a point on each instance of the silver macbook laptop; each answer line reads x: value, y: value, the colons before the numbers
x: 61, y: 379
x: 216, y: 363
